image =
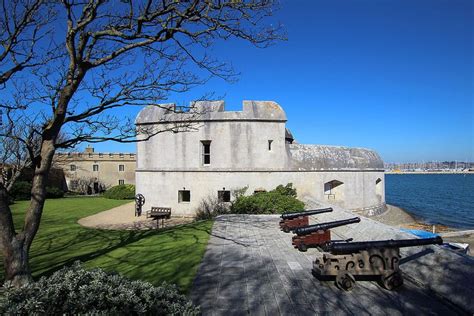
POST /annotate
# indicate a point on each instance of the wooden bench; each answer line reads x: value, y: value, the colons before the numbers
x: 157, y: 213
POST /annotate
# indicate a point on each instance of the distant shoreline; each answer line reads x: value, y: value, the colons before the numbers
x: 429, y: 172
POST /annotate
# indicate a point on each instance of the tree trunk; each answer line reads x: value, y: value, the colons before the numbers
x: 15, y: 254
x: 15, y: 259
x: 16, y: 246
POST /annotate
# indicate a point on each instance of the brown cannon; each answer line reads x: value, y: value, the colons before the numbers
x: 368, y: 259
x: 319, y: 234
x: 293, y: 220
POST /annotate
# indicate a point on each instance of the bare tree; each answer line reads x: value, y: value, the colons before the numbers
x: 22, y: 28
x: 109, y: 55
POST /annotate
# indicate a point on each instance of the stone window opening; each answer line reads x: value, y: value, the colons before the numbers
x: 72, y: 167
x: 101, y: 155
x: 270, y: 141
x: 206, y: 152
x: 378, y: 189
x: 223, y: 195
x: 95, y: 167
x: 121, y: 167
x: 184, y: 196
x: 121, y: 182
x: 334, y: 190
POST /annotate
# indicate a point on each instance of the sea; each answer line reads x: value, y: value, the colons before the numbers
x: 446, y: 199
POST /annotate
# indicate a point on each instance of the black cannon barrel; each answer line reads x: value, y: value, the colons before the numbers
x: 346, y: 248
x: 290, y: 215
x: 301, y: 231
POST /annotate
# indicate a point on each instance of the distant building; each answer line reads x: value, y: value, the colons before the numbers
x: 91, y: 172
x: 252, y: 148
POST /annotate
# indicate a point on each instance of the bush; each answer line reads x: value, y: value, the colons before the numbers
x: 210, y: 207
x: 121, y: 192
x: 281, y: 199
x: 74, y: 290
x: 21, y: 190
x: 54, y: 193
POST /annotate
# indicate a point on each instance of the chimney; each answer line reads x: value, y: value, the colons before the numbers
x: 89, y: 150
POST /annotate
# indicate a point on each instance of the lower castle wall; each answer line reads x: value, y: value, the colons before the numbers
x: 160, y: 188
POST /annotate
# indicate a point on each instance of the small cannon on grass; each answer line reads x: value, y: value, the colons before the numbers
x: 374, y: 259
x: 292, y: 220
x: 318, y: 234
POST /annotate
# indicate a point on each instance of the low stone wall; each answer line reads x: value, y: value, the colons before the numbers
x: 371, y: 211
x: 445, y: 273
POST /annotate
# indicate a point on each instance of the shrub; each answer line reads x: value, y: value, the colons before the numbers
x: 21, y: 190
x: 74, y: 290
x: 210, y: 207
x: 54, y: 193
x: 121, y: 192
x: 287, y: 190
x: 279, y: 200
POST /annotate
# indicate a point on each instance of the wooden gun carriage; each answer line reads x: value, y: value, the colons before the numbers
x: 374, y: 259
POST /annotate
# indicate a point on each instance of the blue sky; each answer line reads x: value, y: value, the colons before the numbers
x: 395, y: 76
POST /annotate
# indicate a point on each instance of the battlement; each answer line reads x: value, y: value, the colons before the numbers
x: 200, y: 111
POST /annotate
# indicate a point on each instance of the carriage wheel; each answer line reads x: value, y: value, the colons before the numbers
x: 345, y: 280
x: 302, y: 247
x: 392, y: 281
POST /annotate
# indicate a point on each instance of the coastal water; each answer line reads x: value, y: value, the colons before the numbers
x: 446, y: 199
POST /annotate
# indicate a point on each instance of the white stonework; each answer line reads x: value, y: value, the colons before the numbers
x: 247, y: 148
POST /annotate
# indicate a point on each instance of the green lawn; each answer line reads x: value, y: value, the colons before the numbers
x: 171, y: 255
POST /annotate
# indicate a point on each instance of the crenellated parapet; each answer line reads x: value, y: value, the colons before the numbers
x: 201, y: 111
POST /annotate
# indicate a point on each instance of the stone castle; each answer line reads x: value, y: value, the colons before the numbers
x: 228, y: 150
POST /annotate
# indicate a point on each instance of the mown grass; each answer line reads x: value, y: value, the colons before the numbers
x: 171, y: 255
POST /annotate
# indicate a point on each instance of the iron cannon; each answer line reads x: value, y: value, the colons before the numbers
x: 318, y: 234
x: 292, y: 220
x: 367, y: 259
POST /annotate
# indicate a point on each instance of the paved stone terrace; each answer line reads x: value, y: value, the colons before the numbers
x: 251, y: 268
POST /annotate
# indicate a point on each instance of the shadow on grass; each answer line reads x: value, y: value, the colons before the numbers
x: 170, y: 254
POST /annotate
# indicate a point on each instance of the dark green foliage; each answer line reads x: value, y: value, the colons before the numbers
x: 54, y: 193
x: 74, y: 290
x: 287, y: 190
x: 121, y: 192
x: 21, y: 190
x: 282, y: 199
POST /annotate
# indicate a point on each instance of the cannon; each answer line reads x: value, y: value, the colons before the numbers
x: 292, y: 220
x: 319, y: 234
x: 365, y: 260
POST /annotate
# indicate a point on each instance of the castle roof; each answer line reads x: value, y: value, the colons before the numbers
x: 322, y: 157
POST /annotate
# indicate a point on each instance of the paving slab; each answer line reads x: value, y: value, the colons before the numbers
x: 251, y: 268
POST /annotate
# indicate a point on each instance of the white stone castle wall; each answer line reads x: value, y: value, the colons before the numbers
x: 161, y: 188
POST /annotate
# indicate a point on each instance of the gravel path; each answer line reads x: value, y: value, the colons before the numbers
x: 123, y: 217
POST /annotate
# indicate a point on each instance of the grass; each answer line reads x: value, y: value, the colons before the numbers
x: 171, y: 255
